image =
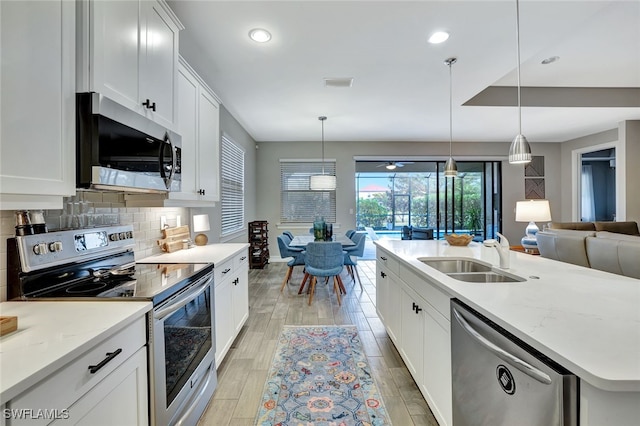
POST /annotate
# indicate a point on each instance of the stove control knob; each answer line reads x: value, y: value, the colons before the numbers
x: 55, y: 246
x: 122, y: 236
x: 40, y: 248
x: 113, y: 237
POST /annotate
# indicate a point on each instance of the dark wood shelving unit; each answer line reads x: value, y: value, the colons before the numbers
x: 258, y: 244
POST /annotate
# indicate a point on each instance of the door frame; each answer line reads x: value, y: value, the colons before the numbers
x: 576, y: 179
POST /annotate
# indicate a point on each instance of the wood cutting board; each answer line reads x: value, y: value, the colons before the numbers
x: 8, y: 325
x: 172, y: 238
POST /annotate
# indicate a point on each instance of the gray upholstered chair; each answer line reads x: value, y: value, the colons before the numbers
x: 324, y: 259
x: 352, y: 254
x: 288, y: 234
x: 286, y: 251
x: 349, y: 233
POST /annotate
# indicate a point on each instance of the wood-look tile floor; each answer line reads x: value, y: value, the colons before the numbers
x: 243, y: 372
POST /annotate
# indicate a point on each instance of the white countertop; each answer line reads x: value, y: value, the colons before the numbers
x: 210, y: 253
x: 50, y: 334
x: 586, y: 320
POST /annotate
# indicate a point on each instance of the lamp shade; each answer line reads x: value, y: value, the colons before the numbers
x: 322, y: 183
x: 201, y: 223
x: 519, y: 151
x: 533, y: 211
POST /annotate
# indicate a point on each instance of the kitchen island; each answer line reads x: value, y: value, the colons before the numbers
x: 586, y: 320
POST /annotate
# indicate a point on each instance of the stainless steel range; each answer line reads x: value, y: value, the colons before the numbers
x: 100, y: 263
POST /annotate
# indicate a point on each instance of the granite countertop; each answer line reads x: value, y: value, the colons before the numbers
x: 585, y: 319
x: 210, y: 253
x: 50, y: 334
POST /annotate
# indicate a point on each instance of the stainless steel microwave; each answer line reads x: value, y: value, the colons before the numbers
x: 119, y: 149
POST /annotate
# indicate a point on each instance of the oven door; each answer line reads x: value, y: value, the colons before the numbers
x: 182, y: 355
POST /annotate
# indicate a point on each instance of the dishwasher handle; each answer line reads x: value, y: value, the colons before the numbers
x: 521, y: 365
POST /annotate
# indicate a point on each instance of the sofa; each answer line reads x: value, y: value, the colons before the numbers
x: 614, y: 252
x: 416, y: 233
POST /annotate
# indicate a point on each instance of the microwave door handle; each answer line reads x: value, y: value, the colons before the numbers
x: 169, y: 179
x: 520, y: 364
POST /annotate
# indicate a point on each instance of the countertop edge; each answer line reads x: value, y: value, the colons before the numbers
x: 15, y: 389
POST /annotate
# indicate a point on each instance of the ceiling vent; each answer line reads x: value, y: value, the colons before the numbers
x: 338, y: 82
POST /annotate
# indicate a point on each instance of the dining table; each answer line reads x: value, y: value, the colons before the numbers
x: 303, y: 240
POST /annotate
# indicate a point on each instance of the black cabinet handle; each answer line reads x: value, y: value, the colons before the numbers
x: 110, y: 355
x: 149, y: 105
x: 383, y: 258
x: 236, y: 281
x: 243, y: 258
x: 201, y: 191
x: 416, y: 308
x: 383, y: 275
x: 226, y: 270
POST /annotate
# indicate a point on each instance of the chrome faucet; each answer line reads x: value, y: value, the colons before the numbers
x: 502, y: 247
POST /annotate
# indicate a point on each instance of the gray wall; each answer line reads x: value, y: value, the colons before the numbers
x: 270, y: 153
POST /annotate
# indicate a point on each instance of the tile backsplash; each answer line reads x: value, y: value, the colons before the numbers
x: 88, y: 209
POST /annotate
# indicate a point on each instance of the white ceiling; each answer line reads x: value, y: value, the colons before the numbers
x: 401, y: 84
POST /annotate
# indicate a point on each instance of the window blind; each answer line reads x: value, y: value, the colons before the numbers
x: 299, y: 204
x: 232, y: 186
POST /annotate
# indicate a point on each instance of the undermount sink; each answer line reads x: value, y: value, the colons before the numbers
x: 449, y: 266
x: 486, y: 277
x: 469, y: 270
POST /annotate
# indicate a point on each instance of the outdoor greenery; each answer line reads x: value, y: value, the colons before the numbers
x: 411, y: 199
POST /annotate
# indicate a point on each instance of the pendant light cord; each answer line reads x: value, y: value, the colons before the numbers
x: 518, y: 67
x: 450, y: 62
x: 322, y: 118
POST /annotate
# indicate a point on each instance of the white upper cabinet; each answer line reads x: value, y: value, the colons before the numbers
x: 129, y: 53
x: 199, y: 126
x: 37, y: 103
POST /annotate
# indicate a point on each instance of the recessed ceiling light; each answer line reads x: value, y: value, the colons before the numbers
x: 550, y: 60
x: 438, y: 37
x: 260, y: 35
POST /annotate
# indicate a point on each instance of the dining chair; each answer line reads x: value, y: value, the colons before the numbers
x: 349, y: 233
x: 352, y: 254
x: 286, y: 251
x: 324, y: 259
x: 288, y: 234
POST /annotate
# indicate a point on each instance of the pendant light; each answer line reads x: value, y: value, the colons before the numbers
x: 450, y: 167
x: 322, y: 182
x: 519, y: 151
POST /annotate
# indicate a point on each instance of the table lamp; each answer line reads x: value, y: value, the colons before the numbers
x: 532, y: 211
x: 201, y: 224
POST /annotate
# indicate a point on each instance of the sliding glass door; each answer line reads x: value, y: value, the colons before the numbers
x: 419, y: 195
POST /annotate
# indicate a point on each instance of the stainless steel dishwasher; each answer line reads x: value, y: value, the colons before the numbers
x: 500, y: 380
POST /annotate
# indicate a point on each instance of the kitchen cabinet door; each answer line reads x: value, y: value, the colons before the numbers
x: 198, y: 123
x: 241, y: 295
x: 412, y: 317
x: 224, y: 318
x: 437, y: 365
x: 132, y: 55
x: 37, y: 108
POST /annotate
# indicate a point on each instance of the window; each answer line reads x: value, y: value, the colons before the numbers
x: 232, y: 187
x: 299, y: 204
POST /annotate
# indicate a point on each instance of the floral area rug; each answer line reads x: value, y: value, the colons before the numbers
x: 320, y: 376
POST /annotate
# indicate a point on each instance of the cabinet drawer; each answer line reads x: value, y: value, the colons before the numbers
x: 223, y: 271
x: 436, y: 297
x: 240, y: 259
x: 64, y: 387
x: 388, y: 261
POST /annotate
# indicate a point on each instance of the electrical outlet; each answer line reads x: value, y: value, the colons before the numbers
x: 178, y: 221
x: 163, y: 222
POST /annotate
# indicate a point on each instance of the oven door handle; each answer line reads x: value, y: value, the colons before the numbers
x: 185, y: 298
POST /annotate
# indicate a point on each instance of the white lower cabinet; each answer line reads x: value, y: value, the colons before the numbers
x: 231, y: 301
x: 416, y: 316
x: 115, y: 393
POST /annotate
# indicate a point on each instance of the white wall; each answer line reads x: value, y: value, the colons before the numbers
x: 270, y: 153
